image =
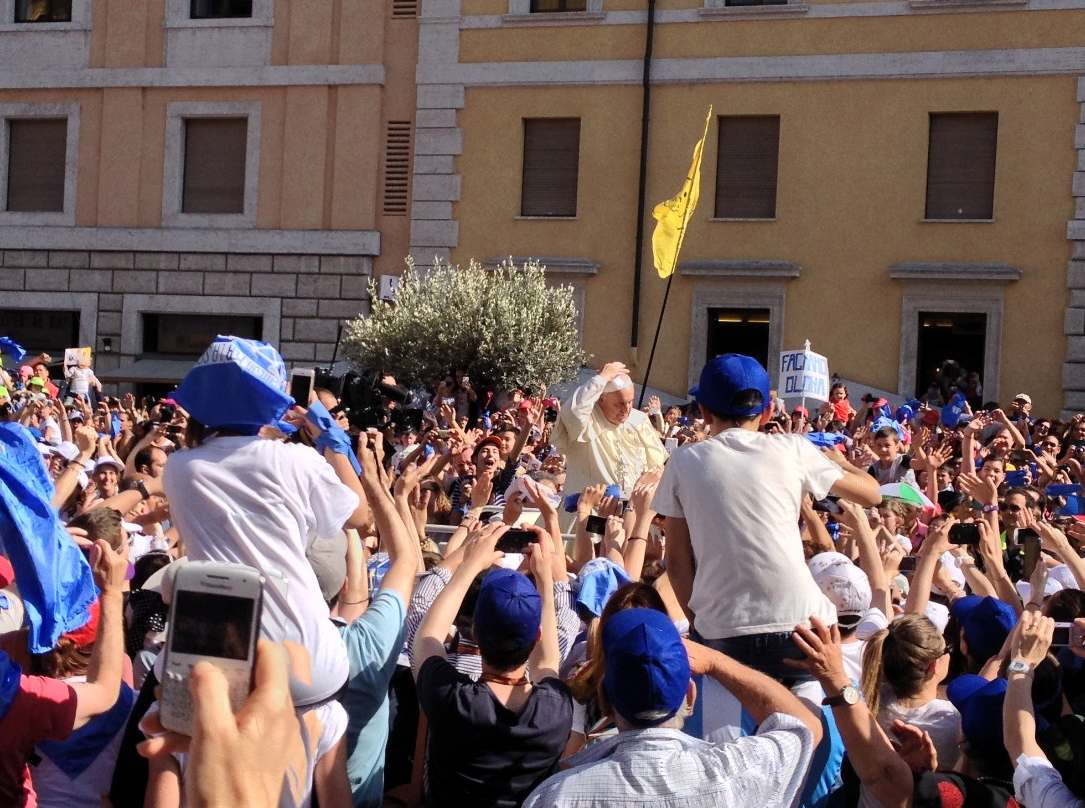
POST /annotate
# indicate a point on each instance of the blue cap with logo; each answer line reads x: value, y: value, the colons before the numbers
x: 725, y: 377
x: 508, y: 613
x: 647, y: 669
x: 238, y: 384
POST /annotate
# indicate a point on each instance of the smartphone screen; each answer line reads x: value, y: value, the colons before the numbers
x: 515, y: 541
x: 212, y: 625
x: 1061, y: 636
x: 1030, y: 541
x: 829, y: 505
x: 597, y: 525
x: 301, y: 386
x: 907, y: 564
x: 964, y: 533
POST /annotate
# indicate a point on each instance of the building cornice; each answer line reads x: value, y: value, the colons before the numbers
x: 774, y: 270
x: 268, y: 76
x: 954, y: 271
x: 151, y: 239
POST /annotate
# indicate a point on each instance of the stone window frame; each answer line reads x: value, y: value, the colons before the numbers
x: 726, y: 293
x: 80, y: 20
x: 86, y: 303
x: 23, y: 111
x: 951, y: 298
x: 179, y: 15
x: 173, y: 183
x: 520, y: 11
x: 133, y: 307
x: 719, y: 8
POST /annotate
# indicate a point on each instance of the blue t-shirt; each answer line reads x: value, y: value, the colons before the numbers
x: 373, y: 643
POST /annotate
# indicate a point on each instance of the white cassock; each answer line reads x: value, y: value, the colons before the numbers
x: 597, y: 451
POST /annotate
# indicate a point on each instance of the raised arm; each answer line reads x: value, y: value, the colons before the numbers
x: 930, y: 556
x: 1029, y: 642
x: 85, y: 440
x: 856, y: 485
x: 636, y: 545
x: 870, y: 561
x: 546, y: 656
x: 681, y: 564
x: 576, y: 414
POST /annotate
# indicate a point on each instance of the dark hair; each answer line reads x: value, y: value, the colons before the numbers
x: 66, y: 659
x: 742, y: 400
x: 147, y: 565
x: 887, y: 432
x: 1065, y: 605
x: 143, y: 458
x: 101, y: 523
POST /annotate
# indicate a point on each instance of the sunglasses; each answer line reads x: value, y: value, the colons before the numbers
x: 1012, y: 508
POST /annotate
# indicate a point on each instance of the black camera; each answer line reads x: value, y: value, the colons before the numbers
x: 368, y: 402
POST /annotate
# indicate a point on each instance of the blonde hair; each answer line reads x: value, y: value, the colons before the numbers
x: 899, y: 657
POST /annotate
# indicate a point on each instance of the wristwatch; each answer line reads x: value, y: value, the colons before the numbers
x: 848, y: 696
x: 1019, y: 666
x: 992, y: 508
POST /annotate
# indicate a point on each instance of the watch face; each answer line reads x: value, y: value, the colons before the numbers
x: 850, y: 695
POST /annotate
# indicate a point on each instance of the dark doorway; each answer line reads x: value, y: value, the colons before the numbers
x: 743, y: 331
x: 951, y: 346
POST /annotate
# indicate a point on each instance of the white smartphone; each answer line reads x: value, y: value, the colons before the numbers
x: 215, y: 617
x: 302, y: 382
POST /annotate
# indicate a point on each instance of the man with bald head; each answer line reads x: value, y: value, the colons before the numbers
x: 604, y: 439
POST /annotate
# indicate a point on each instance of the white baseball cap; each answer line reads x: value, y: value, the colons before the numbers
x: 848, y: 588
x: 109, y: 461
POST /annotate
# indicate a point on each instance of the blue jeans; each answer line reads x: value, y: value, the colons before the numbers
x: 764, y: 653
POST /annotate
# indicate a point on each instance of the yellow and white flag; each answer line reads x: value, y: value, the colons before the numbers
x: 672, y: 217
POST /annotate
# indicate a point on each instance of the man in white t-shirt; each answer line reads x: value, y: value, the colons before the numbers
x: 731, y: 502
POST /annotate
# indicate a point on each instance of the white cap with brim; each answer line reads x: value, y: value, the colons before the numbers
x: 104, y: 462
x: 66, y: 449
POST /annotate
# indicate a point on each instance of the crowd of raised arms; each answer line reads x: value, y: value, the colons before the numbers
x: 487, y: 597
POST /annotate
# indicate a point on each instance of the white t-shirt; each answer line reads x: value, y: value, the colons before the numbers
x: 937, y: 717
x: 740, y: 493
x: 260, y: 502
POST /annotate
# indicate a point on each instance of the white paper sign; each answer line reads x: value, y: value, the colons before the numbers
x: 804, y: 374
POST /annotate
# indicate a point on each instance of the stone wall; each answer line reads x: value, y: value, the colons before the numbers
x: 1073, y: 370
x: 311, y: 294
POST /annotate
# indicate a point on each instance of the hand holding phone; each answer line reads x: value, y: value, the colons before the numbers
x: 515, y: 540
x: 302, y: 382
x: 964, y: 533
x: 214, y: 617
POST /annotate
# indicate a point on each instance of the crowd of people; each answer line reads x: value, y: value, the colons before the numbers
x: 503, y: 599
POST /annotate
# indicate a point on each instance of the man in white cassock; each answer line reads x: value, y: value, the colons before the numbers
x: 603, y: 438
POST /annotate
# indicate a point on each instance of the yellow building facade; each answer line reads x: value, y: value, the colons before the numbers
x: 851, y: 257
x: 179, y: 168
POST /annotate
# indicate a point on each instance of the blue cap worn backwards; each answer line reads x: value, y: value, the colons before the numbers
x: 508, y: 613
x: 647, y: 669
x: 725, y: 377
x: 238, y: 384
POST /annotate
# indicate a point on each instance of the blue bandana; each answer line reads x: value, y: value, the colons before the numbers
x: 238, y: 384
x: 10, y: 676
x: 54, y: 578
x: 599, y: 579
x: 332, y: 436
x: 883, y: 422
x: 826, y: 440
x: 12, y: 348
x: 951, y: 413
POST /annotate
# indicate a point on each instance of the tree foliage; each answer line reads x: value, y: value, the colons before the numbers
x: 504, y: 325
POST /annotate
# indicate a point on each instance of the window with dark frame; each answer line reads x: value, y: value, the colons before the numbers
x: 747, y: 164
x: 214, y: 165
x: 188, y: 335
x: 549, y: 6
x: 42, y: 330
x: 730, y: 3
x: 551, y: 166
x: 37, y: 152
x: 961, y: 165
x: 220, y: 9
x: 43, y: 11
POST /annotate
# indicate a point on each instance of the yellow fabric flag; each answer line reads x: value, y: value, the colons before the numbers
x: 673, y: 216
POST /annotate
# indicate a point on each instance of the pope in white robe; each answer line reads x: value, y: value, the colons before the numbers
x: 604, y: 439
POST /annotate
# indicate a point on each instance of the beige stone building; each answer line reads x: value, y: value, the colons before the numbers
x: 172, y: 169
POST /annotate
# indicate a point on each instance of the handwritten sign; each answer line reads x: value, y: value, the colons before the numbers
x: 804, y: 374
x: 73, y: 355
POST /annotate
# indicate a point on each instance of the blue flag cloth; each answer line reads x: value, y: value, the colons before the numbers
x: 883, y: 410
x: 826, y: 440
x: 332, y: 436
x: 12, y: 348
x: 10, y: 676
x: 238, y: 384
x: 599, y: 579
x: 904, y: 414
x: 885, y: 422
x: 54, y: 578
x: 115, y: 425
x: 951, y: 413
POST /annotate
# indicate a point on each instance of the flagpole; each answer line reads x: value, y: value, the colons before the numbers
x: 659, y: 322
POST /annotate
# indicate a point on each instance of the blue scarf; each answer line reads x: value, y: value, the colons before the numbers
x: 10, y: 677
x: 332, y: 436
x: 53, y: 575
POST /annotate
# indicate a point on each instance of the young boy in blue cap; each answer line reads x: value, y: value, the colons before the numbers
x: 492, y: 741
x: 732, y: 504
x: 649, y: 693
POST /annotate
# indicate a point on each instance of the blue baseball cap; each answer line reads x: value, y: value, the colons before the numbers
x: 238, y: 384
x: 725, y: 377
x: 599, y: 579
x: 508, y: 613
x: 647, y: 669
x: 986, y: 623
x: 979, y: 701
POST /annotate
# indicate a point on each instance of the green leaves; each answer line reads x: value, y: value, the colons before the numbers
x: 502, y: 324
